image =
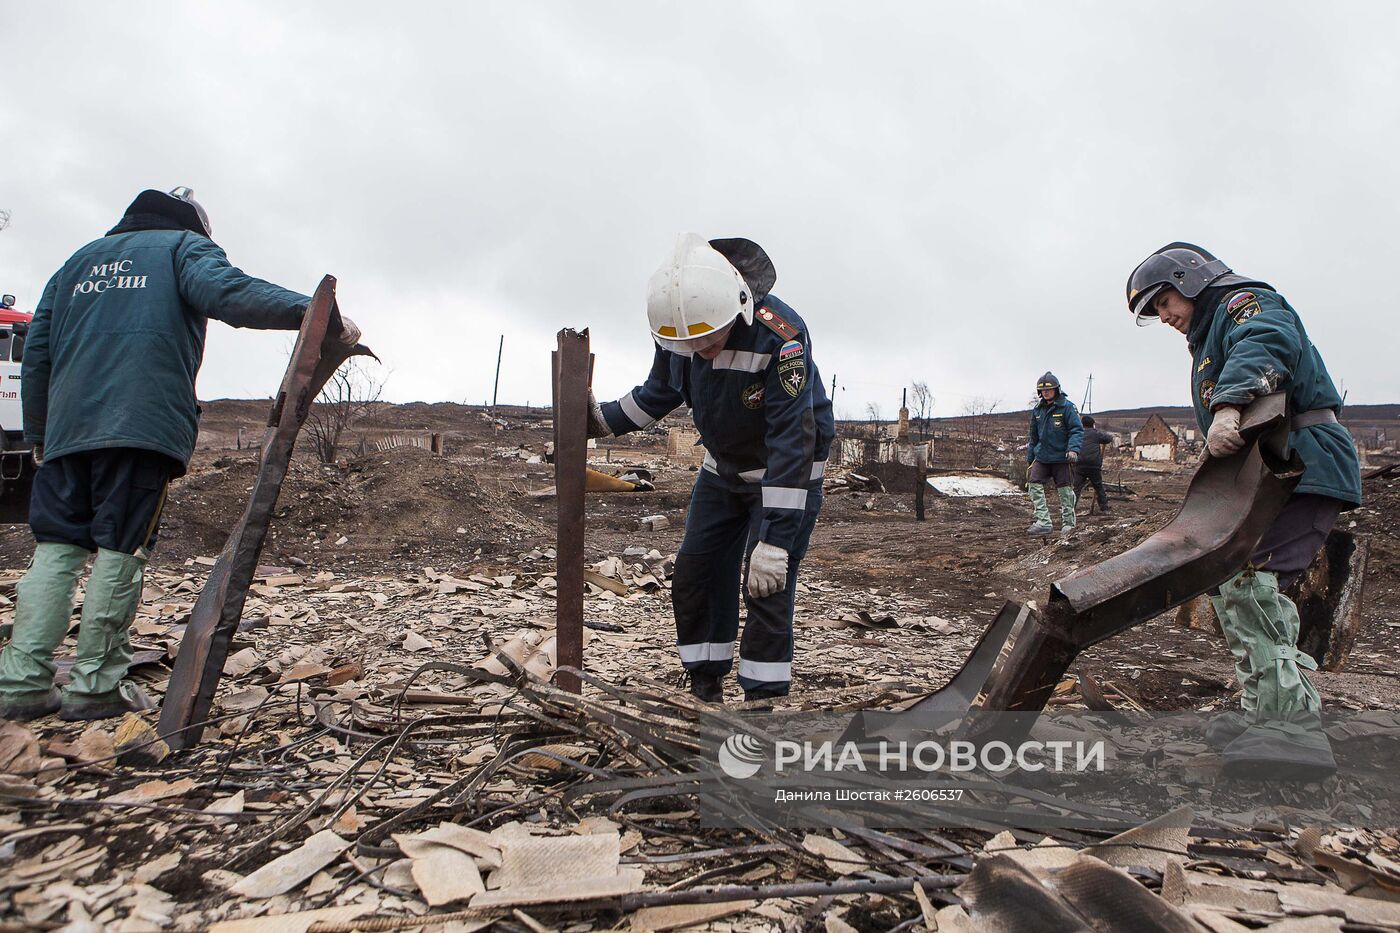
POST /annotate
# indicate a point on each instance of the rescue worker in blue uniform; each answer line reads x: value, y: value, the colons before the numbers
x: 1247, y: 341
x: 1053, y: 447
x: 108, y: 391
x: 742, y: 361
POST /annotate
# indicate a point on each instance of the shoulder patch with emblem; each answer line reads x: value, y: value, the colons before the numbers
x: 792, y: 375
x: 789, y: 350
x: 1242, y: 307
x: 776, y: 323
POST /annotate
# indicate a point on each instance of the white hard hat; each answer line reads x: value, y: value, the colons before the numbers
x: 694, y: 294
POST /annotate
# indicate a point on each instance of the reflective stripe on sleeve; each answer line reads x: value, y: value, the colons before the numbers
x: 743, y: 360
x: 784, y: 497
x: 633, y: 411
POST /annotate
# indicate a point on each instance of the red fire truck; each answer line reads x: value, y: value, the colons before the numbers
x: 16, y: 458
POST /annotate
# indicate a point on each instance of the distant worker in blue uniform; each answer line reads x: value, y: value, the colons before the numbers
x: 1056, y: 434
x: 1247, y: 341
x: 742, y: 361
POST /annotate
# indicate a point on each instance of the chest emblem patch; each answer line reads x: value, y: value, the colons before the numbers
x: 1207, y: 390
x: 752, y: 396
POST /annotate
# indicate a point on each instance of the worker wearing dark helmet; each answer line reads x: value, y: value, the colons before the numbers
x: 1247, y: 341
x: 108, y: 391
x: 1056, y: 434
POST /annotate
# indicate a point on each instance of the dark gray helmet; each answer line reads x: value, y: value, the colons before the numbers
x: 1048, y: 381
x: 753, y: 264
x: 187, y: 195
x: 1184, y: 266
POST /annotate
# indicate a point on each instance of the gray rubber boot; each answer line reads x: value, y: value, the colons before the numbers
x: 1041, y: 526
x: 126, y: 698
x: 109, y: 605
x: 1248, y: 700
x: 1225, y: 727
x: 1067, y: 503
x: 1285, y: 741
x: 1265, y: 624
x: 26, y: 706
x: 43, y: 607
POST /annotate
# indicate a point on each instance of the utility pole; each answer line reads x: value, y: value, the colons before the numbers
x: 1089, y: 395
x: 495, y: 388
x: 833, y: 388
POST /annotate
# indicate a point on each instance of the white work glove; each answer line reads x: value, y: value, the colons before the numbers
x: 1072, y: 456
x: 597, y: 424
x: 349, y: 333
x: 1224, y: 437
x: 768, y: 565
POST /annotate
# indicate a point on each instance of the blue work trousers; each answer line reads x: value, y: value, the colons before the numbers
x: 721, y: 530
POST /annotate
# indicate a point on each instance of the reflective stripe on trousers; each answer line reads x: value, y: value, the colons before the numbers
x: 721, y: 529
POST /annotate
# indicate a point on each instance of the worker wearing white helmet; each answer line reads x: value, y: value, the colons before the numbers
x: 742, y: 361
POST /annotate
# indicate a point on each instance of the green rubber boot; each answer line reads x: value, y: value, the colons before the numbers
x: 1285, y: 740
x: 1041, y: 526
x: 104, y: 650
x: 43, y: 605
x: 1225, y: 727
x: 1067, y: 504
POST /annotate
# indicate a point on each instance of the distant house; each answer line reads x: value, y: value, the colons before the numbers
x: 683, y: 446
x: 1155, y: 440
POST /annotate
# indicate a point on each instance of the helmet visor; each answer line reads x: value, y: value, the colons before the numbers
x: 697, y: 344
x: 1142, y: 304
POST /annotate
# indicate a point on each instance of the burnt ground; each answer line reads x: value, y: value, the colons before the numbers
x: 370, y: 538
x: 478, y: 509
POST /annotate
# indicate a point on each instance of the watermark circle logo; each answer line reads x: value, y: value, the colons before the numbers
x: 740, y: 756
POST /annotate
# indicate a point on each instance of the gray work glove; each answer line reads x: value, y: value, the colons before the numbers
x: 349, y: 333
x: 768, y: 565
x: 1224, y: 437
x: 1072, y: 456
x: 38, y: 454
x: 597, y: 424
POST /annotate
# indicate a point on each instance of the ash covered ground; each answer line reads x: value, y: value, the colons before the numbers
x: 392, y: 557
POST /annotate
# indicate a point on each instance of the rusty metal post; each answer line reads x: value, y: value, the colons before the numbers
x: 572, y: 367
x: 214, y: 619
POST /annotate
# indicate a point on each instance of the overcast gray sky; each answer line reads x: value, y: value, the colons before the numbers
x: 952, y: 192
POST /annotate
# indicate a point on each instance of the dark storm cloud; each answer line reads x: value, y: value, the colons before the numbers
x: 951, y: 192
